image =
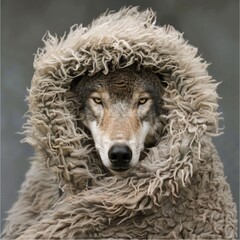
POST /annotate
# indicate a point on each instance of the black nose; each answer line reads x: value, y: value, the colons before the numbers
x: 120, y: 156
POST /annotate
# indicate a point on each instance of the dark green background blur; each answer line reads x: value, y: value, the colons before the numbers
x: 210, y: 25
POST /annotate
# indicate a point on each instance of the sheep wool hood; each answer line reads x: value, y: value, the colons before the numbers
x: 177, y: 192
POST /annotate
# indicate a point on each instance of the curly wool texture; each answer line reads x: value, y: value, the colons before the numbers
x: 177, y: 192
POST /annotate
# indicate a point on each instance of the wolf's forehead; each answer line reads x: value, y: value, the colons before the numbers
x: 118, y: 79
x: 124, y: 82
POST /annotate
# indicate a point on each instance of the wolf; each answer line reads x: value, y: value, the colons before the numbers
x: 101, y: 98
x: 122, y: 112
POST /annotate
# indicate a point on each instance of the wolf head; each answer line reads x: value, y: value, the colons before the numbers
x: 121, y: 110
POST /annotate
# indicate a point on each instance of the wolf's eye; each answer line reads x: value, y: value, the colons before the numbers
x: 142, y: 101
x: 97, y: 100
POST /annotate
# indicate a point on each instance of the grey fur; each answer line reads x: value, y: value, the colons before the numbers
x: 121, y: 84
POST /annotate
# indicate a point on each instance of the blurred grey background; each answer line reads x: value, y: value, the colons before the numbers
x: 212, y: 26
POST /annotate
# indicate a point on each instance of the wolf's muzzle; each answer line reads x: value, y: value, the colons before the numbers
x: 120, y: 156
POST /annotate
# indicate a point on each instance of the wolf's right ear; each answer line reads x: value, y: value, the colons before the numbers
x: 74, y: 83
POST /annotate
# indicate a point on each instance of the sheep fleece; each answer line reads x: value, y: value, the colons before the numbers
x: 177, y: 192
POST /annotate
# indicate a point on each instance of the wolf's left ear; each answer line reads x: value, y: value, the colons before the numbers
x: 74, y: 83
x: 161, y: 78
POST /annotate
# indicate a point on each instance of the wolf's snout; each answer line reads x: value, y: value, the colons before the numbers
x: 120, y: 156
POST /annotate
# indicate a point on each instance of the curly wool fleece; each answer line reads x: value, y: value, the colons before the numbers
x: 177, y: 192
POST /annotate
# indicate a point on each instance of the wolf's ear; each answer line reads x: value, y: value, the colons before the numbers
x: 74, y: 83
x: 161, y: 77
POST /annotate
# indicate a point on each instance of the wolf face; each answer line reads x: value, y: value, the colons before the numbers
x: 121, y: 110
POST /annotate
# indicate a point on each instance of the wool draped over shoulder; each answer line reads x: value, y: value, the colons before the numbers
x: 178, y: 191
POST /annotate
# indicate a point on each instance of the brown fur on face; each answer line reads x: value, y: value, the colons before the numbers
x: 121, y: 107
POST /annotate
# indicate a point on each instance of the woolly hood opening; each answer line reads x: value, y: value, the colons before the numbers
x: 113, y: 41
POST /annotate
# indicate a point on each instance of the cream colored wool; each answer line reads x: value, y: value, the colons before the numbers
x: 177, y: 192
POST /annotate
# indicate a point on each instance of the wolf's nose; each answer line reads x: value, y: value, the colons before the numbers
x: 120, y: 155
